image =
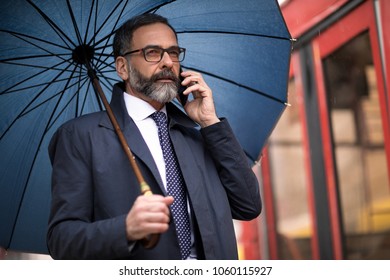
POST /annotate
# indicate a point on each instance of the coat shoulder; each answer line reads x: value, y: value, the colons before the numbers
x: 85, y: 121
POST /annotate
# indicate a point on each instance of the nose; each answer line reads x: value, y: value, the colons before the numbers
x: 166, y: 61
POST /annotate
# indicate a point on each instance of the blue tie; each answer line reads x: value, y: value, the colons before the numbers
x: 175, y: 185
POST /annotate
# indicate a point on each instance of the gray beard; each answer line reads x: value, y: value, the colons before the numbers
x: 157, y: 91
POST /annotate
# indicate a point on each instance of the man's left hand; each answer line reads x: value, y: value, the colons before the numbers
x: 201, y: 109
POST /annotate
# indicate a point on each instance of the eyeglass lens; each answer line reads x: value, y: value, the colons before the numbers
x: 155, y: 54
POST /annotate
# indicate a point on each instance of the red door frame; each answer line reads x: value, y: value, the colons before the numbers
x: 359, y: 20
x: 268, y: 204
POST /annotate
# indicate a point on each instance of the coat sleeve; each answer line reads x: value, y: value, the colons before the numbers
x: 72, y: 232
x: 237, y: 177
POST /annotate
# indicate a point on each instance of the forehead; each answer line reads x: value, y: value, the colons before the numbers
x: 158, y: 34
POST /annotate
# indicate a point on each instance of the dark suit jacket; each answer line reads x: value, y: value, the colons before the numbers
x: 94, y: 187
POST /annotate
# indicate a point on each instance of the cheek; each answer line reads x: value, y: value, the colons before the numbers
x: 147, y: 70
x: 176, y: 69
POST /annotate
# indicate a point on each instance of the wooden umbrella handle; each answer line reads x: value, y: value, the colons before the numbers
x: 152, y: 240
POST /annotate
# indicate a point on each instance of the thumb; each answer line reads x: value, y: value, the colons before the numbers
x: 168, y: 200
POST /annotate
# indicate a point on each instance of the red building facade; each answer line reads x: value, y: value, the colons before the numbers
x: 325, y: 172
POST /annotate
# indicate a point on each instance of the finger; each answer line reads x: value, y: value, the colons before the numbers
x: 191, y: 78
x: 198, y: 91
x: 168, y: 200
x: 152, y: 228
x: 139, y: 215
x: 158, y: 217
x: 140, y: 223
x: 193, y: 87
x: 150, y: 198
x: 153, y: 206
x: 137, y: 233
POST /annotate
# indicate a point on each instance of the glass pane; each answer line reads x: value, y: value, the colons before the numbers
x: 359, y: 149
x: 289, y: 184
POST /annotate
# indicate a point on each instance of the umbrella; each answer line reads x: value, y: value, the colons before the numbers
x: 241, y: 47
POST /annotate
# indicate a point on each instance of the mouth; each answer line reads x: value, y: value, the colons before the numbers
x: 165, y: 80
x: 165, y: 77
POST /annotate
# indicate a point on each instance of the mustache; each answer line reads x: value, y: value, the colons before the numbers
x: 165, y: 74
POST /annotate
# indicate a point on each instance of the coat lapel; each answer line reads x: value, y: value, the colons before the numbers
x: 131, y: 132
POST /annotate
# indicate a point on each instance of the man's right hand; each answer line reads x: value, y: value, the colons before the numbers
x: 149, y: 214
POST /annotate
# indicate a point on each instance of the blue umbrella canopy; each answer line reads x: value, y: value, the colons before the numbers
x: 241, y: 47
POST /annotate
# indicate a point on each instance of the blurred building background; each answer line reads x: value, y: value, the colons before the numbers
x: 325, y: 171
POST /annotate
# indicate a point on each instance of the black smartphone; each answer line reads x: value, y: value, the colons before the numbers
x: 183, y: 98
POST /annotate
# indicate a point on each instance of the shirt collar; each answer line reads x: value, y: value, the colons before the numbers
x: 139, y: 109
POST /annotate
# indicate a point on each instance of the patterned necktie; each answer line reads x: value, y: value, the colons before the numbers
x: 175, y: 185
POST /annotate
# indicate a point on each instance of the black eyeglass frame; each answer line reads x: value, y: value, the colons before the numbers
x: 167, y: 50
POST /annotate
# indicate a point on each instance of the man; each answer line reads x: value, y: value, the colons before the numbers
x: 97, y: 210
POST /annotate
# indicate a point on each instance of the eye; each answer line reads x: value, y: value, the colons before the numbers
x: 174, y: 52
x: 153, y: 52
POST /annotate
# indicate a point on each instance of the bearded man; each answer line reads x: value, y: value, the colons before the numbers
x: 195, y: 167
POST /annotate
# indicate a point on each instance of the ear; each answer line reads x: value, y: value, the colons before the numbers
x: 121, y: 67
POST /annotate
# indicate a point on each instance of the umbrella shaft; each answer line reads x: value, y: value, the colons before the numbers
x: 121, y: 137
x: 151, y: 240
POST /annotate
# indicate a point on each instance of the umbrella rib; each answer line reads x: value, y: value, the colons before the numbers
x: 103, y: 57
x: 103, y: 62
x: 31, y: 168
x: 154, y: 9
x: 54, y: 26
x: 67, y: 104
x: 51, y: 97
x: 249, y: 156
x: 85, y: 99
x: 103, y: 69
x: 85, y: 79
x: 89, y: 21
x: 108, y: 78
x: 76, y: 29
x: 51, y: 54
x: 107, y: 43
x: 94, y: 25
x: 35, y: 66
x: 38, y: 85
x: 99, y: 101
x: 27, y: 106
x: 66, y: 87
x: 33, y: 76
x: 79, y: 90
x: 102, y: 48
x: 104, y: 22
x: 16, y: 34
x: 234, y: 33
x: 29, y: 57
x: 236, y: 84
x: 110, y: 85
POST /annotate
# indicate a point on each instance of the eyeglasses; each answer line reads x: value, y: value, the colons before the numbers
x: 155, y: 53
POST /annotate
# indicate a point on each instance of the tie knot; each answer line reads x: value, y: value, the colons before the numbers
x: 160, y: 118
